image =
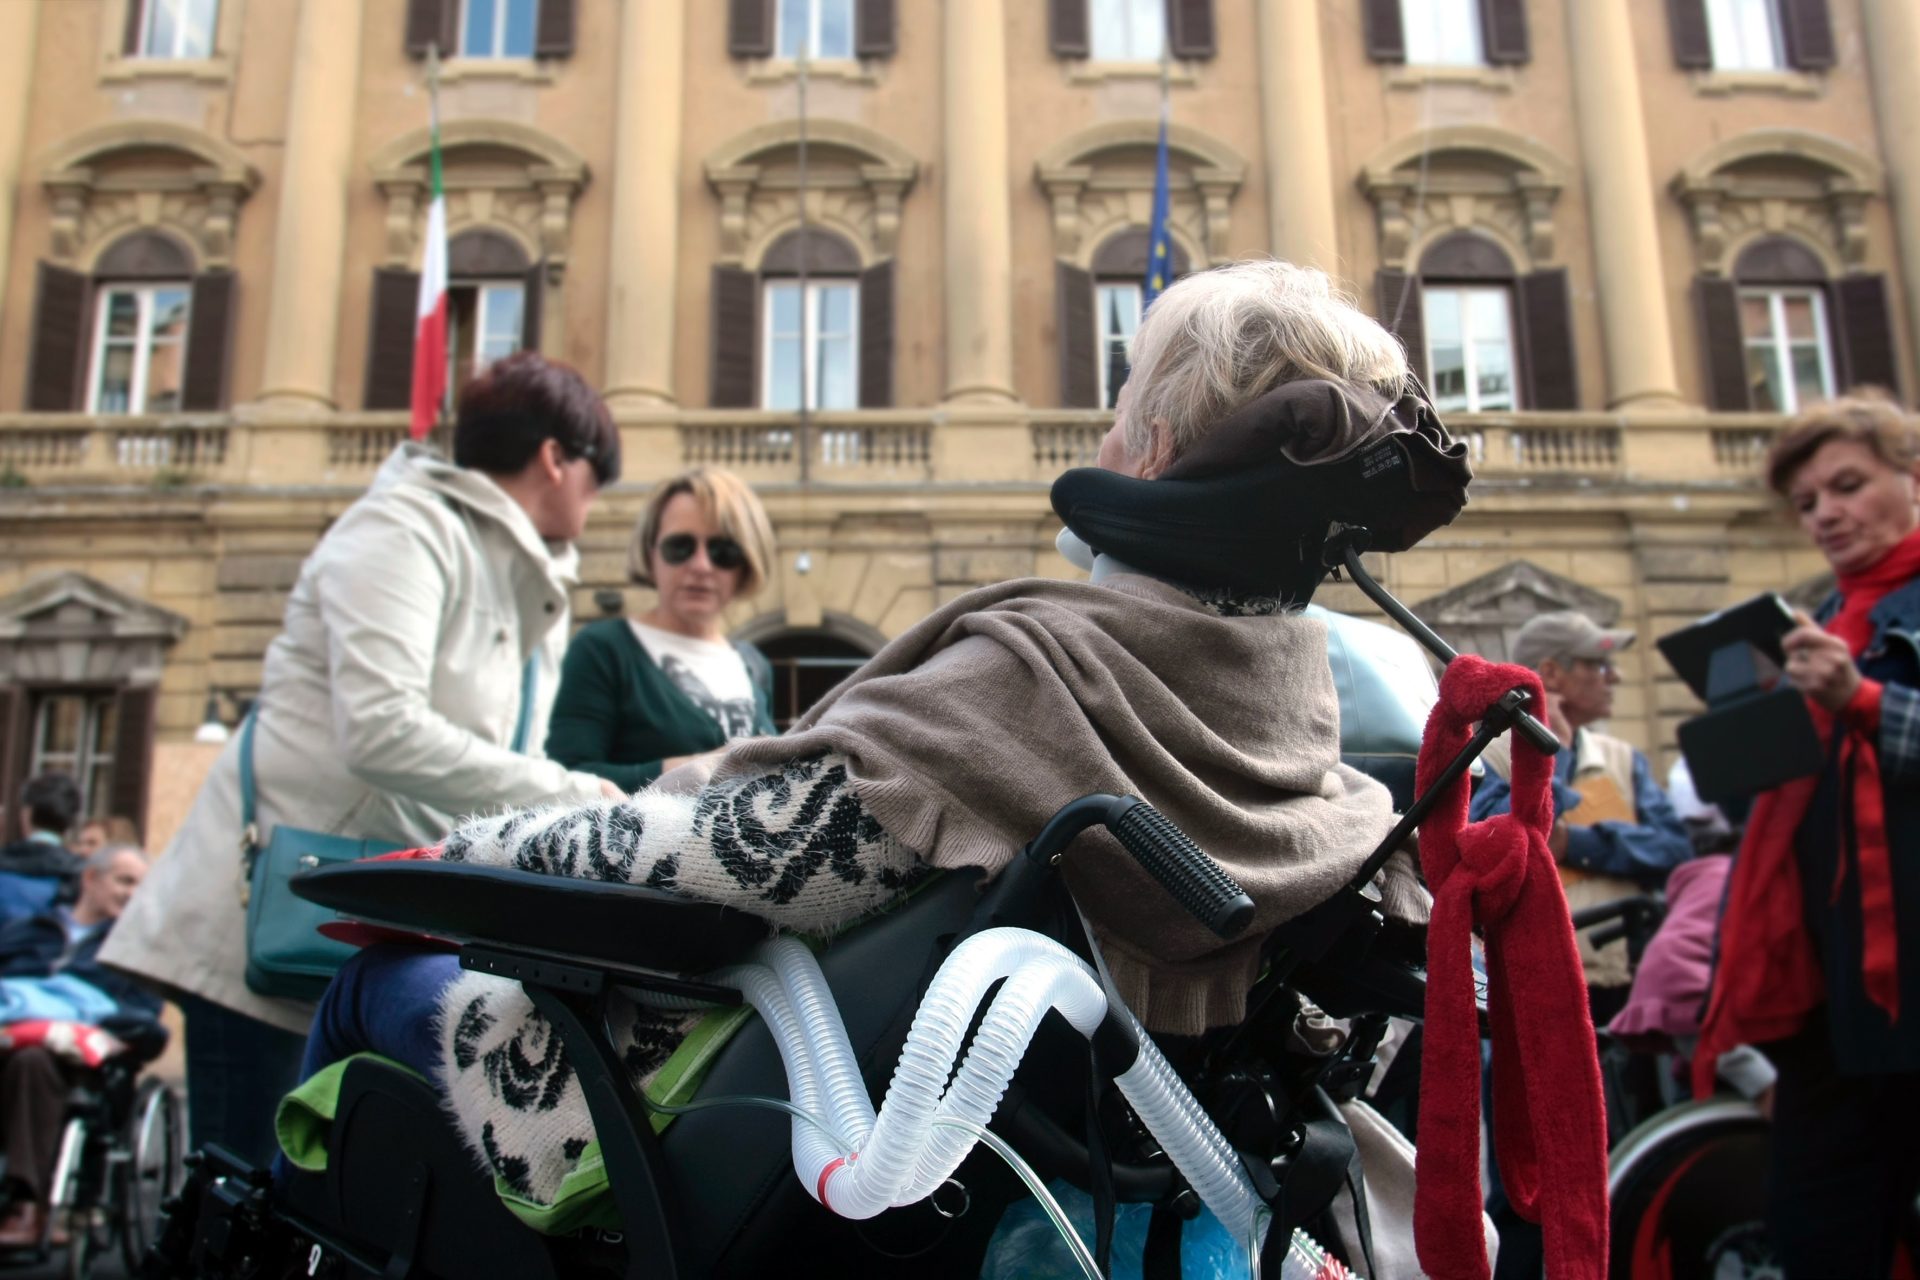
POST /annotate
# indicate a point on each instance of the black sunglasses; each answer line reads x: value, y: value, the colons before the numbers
x: 723, y: 553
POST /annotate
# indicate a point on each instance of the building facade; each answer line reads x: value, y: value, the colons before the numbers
x: 1622, y: 241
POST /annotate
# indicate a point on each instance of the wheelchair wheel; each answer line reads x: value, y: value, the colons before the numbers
x: 150, y: 1171
x: 1689, y: 1196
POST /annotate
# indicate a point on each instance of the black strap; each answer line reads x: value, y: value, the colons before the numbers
x: 1161, y: 1260
x: 1362, y: 1220
x: 1318, y: 1171
x: 1099, y: 1171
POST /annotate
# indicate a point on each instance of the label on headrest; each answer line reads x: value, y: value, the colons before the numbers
x: 1384, y: 457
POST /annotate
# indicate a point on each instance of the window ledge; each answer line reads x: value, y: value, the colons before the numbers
x: 1787, y: 83
x: 1418, y: 76
x: 1088, y: 71
x: 783, y: 70
x: 518, y: 70
x: 123, y: 69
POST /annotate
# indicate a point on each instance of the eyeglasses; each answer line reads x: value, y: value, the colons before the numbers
x: 722, y: 552
x: 1603, y: 665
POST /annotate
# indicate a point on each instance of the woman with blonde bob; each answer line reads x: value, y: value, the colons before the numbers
x: 641, y: 696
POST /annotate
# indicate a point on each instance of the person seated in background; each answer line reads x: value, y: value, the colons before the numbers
x: 61, y: 941
x: 37, y: 870
x: 96, y: 834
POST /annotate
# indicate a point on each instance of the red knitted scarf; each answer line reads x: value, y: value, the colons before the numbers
x: 1550, y: 1131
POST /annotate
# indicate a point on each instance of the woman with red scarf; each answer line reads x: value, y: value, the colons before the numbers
x: 1813, y: 965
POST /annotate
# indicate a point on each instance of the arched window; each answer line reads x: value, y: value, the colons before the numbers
x: 806, y: 664
x: 810, y: 322
x: 1119, y: 277
x: 493, y: 302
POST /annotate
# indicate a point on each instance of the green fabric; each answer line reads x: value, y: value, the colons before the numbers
x: 305, y: 1118
x: 617, y: 715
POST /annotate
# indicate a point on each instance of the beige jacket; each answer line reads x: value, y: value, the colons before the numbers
x: 387, y: 706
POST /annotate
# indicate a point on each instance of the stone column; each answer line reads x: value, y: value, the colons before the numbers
x: 1893, y: 53
x: 1620, y: 200
x: 19, y: 24
x: 310, y: 233
x: 1293, y: 122
x: 645, y: 261
x: 978, y: 204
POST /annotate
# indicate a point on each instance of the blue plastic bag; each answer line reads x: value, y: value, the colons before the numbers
x: 1026, y: 1245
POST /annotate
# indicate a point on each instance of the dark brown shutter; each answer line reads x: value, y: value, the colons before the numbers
x: 1067, y: 30
x: 553, y: 32
x: 1718, y: 303
x: 873, y: 29
x: 1505, y: 25
x: 59, y: 340
x: 750, y: 28
x: 1546, y: 328
x: 533, y: 297
x: 1808, y: 29
x: 395, y: 304
x: 209, y: 334
x: 1692, y: 46
x: 1079, y: 339
x: 130, y: 35
x: 431, y: 22
x: 1865, y: 333
x: 1401, y: 303
x: 16, y: 707
x: 736, y: 338
x: 1386, y: 32
x: 876, y: 336
x: 133, y: 753
x: 1190, y: 28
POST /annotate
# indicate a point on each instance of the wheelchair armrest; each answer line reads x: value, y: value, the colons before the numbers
x: 588, y: 920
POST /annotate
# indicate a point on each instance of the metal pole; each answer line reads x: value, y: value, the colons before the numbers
x: 806, y: 312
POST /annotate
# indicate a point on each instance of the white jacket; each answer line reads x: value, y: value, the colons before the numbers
x: 387, y: 708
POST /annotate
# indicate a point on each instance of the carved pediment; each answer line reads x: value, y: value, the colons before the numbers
x: 68, y: 628
x: 1482, y: 616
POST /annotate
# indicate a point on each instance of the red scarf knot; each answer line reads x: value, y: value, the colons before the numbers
x: 1549, y: 1121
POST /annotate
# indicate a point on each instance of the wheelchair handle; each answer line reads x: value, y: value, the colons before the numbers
x: 1183, y: 869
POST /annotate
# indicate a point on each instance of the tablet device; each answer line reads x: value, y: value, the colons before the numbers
x: 1758, y: 623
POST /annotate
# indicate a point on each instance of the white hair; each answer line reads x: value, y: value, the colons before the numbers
x: 102, y: 860
x: 1217, y: 340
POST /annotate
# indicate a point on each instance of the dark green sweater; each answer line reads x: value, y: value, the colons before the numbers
x: 617, y: 715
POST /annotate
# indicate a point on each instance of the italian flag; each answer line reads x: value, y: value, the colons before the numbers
x: 430, y: 319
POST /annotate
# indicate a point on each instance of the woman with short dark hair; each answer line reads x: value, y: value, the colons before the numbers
x: 410, y: 685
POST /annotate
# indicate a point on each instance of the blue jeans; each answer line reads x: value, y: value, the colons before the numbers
x: 384, y: 1000
x: 238, y: 1069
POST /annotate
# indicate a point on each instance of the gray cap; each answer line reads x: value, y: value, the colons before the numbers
x: 1565, y: 636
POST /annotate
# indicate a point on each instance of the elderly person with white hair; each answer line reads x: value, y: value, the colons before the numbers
x: 1199, y: 690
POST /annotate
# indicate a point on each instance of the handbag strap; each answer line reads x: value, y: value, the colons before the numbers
x: 249, y: 834
x: 529, y: 684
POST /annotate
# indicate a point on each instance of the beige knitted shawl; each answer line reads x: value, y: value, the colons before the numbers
x: 966, y: 733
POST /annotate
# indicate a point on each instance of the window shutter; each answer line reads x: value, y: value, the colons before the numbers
x: 1718, y: 303
x: 750, y: 28
x: 15, y: 706
x: 1399, y: 298
x: 133, y: 753
x: 736, y: 338
x: 59, y: 328
x: 1692, y: 47
x: 209, y: 334
x: 396, y: 300
x: 130, y: 35
x: 873, y: 29
x: 1546, y: 327
x: 1190, y: 28
x: 876, y: 336
x: 1067, y: 29
x: 553, y: 32
x: 431, y: 22
x: 1863, y: 333
x: 1386, y: 33
x: 1078, y: 338
x: 533, y: 298
x: 1808, y: 29
x: 1505, y: 25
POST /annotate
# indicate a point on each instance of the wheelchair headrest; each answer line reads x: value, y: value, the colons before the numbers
x: 1249, y: 506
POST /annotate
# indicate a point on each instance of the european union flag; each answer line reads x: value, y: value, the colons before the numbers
x: 1159, y: 246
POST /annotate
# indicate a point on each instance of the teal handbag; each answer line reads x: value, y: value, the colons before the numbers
x: 286, y: 954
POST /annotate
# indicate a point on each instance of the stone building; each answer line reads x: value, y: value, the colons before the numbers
x: 1621, y: 239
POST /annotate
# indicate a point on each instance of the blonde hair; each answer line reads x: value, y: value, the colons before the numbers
x: 1217, y: 340
x: 727, y: 501
x: 1869, y: 416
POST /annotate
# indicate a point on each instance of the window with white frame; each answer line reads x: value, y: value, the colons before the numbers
x: 1789, y: 360
x: 485, y: 321
x: 821, y: 28
x: 1443, y: 33
x: 1745, y: 35
x: 1117, y: 312
x: 1127, y: 30
x: 139, y: 348
x: 1470, y: 347
x: 73, y: 733
x: 497, y: 28
x: 176, y: 28
x: 812, y: 328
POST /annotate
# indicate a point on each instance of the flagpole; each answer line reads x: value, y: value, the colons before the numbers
x: 445, y: 417
x: 806, y: 363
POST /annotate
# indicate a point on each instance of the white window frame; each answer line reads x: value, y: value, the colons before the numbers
x: 1782, y: 346
x: 1418, y: 20
x: 1745, y: 35
x: 1142, y: 20
x: 498, y: 37
x: 480, y: 358
x: 179, y: 51
x: 142, y: 343
x: 811, y: 47
x: 1102, y: 336
x: 1468, y: 343
x: 810, y: 338
x: 86, y: 760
